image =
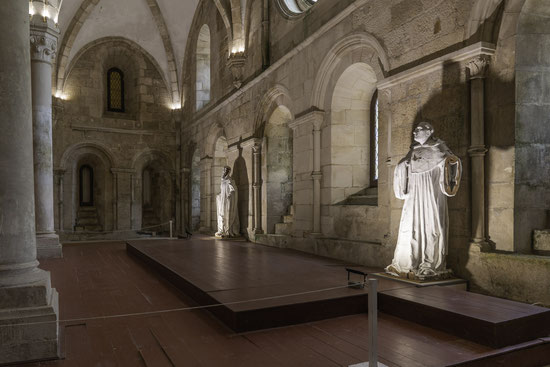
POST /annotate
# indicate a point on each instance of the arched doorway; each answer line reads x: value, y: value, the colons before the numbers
x: 350, y: 140
x: 277, y: 168
x: 219, y: 161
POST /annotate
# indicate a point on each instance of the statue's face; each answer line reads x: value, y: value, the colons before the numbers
x: 422, y: 133
x: 226, y: 171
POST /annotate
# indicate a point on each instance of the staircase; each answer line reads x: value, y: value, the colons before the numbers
x: 285, y: 228
x: 87, y: 220
x: 368, y: 196
x: 150, y: 219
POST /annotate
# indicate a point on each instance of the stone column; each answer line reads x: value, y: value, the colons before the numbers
x: 257, y: 185
x: 185, y: 199
x: 26, y: 295
x: 60, y: 174
x: 477, y: 149
x: 317, y: 175
x: 206, y: 209
x: 43, y: 40
x: 307, y: 172
x: 122, y: 199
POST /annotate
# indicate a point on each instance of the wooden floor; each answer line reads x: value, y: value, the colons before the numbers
x: 282, y: 287
x: 102, y: 279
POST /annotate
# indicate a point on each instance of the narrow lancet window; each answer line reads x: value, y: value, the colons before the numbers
x: 115, y: 90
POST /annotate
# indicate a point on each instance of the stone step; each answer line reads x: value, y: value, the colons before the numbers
x: 87, y: 209
x: 283, y: 229
x: 88, y: 228
x: 361, y: 200
x: 288, y: 219
x: 87, y: 214
x: 87, y: 221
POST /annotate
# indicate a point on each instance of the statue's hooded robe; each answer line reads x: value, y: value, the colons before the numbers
x: 424, y: 178
x: 226, y: 203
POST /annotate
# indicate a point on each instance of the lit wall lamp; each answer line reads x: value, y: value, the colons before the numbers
x: 236, y: 62
x: 49, y: 8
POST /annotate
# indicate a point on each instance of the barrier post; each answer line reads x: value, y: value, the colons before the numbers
x: 373, y: 327
x: 171, y: 224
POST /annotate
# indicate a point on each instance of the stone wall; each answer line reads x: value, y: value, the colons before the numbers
x: 420, y: 77
x: 117, y: 145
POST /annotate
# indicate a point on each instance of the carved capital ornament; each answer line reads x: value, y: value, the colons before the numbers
x: 43, y: 46
x: 478, y: 67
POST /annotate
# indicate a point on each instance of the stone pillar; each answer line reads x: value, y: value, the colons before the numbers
x: 307, y: 171
x: 477, y: 149
x: 206, y: 209
x: 26, y: 295
x: 122, y: 198
x: 43, y: 40
x: 265, y: 35
x: 317, y: 175
x: 186, y: 199
x: 60, y: 174
x: 257, y: 185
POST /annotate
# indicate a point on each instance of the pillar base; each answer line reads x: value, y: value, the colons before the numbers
x: 32, y: 333
x: 48, y: 246
x: 480, y: 246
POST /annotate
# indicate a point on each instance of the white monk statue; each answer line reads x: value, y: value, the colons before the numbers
x: 424, y: 178
x: 226, y: 204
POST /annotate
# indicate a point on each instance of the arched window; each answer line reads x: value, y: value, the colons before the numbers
x: 292, y: 8
x: 374, y: 128
x: 203, y: 68
x: 86, y: 187
x: 115, y: 90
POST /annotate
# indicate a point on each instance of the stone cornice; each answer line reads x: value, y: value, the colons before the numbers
x: 111, y: 130
x: 315, y: 117
x: 466, y: 53
x: 123, y: 170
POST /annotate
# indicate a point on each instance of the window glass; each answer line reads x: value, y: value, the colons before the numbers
x: 115, y: 90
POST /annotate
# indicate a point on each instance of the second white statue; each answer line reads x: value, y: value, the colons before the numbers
x: 424, y: 178
x: 226, y: 205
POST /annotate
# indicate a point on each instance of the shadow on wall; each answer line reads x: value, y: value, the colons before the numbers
x: 448, y: 110
x: 240, y: 175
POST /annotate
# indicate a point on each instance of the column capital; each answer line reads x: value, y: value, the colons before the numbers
x: 314, y: 116
x: 478, y: 67
x: 43, y: 41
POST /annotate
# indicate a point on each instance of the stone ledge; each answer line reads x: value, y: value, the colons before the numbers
x: 541, y: 240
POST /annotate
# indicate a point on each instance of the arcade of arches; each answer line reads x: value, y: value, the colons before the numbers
x: 119, y: 116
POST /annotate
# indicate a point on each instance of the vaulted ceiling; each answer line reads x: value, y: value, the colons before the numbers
x: 160, y: 27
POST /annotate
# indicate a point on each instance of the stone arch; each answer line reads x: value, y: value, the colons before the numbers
x: 346, y: 134
x: 203, y: 67
x: 277, y: 163
x: 480, y: 25
x: 101, y: 161
x: 86, y: 146
x: 158, y: 168
x: 133, y: 47
x: 219, y: 160
x: 353, y: 48
x: 226, y: 16
x: 532, y: 137
x: 277, y: 96
x: 216, y: 130
x: 241, y: 176
x: 78, y: 21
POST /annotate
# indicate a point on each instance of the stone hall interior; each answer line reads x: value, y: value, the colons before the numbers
x: 245, y: 183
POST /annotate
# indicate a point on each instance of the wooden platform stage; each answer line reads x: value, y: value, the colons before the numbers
x: 259, y: 287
